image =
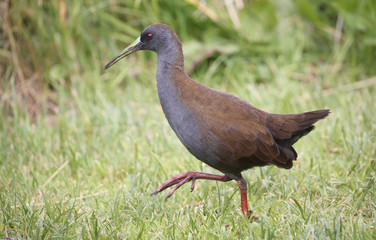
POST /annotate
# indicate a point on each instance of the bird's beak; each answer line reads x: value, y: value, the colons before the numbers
x: 136, y: 45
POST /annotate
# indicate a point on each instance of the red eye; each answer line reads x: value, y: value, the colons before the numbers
x: 149, y: 36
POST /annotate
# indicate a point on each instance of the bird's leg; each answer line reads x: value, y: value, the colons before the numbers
x: 243, y: 196
x: 180, y: 179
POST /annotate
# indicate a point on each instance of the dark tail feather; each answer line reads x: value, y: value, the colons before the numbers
x: 288, y: 129
x: 308, y: 118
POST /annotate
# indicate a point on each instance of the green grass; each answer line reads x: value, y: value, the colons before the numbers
x: 84, y: 163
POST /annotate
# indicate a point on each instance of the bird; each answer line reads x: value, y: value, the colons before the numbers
x: 218, y: 128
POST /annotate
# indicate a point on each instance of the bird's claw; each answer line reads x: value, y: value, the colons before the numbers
x: 193, y: 184
x: 177, y: 180
x: 180, y: 179
x: 251, y: 217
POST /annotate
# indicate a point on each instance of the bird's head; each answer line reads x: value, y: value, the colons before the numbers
x: 156, y: 38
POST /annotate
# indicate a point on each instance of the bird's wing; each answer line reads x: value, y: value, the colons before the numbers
x: 242, y: 139
x: 237, y: 129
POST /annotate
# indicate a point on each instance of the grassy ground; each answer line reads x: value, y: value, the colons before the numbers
x: 82, y: 164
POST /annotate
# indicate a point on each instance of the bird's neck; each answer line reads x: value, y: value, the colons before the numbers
x: 170, y: 69
x: 171, y: 57
x: 171, y: 79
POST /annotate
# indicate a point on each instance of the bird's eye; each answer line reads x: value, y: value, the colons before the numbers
x: 149, y: 36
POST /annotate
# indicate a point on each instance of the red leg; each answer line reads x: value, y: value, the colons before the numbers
x: 180, y: 179
x: 243, y: 195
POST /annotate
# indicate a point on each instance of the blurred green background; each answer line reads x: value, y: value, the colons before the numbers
x: 81, y: 149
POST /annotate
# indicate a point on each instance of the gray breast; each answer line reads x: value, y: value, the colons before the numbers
x: 181, y: 120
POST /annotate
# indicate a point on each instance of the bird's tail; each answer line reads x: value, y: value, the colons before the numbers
x: 288, y: 128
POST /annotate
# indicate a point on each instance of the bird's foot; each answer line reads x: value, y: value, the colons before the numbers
x: 177, y: 180
x: 180, y: 179
x: 251, y: 217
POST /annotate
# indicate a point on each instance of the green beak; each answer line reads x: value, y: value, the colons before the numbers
x: 136, y: 45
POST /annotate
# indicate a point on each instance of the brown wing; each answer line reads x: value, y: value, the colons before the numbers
x: 243, y: 143
x: 242, y: 135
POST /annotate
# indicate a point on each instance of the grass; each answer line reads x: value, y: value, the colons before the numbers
x: 84, y: 163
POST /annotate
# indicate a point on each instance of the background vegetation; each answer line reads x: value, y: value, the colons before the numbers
x: 82, y: 149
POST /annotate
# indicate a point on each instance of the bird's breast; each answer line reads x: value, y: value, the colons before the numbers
x: 183, y: 120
